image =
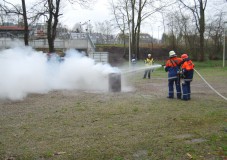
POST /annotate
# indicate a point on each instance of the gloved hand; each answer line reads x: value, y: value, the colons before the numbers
x: 182, y: 76
x: 179, y: 72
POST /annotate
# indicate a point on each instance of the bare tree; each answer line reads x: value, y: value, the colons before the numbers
x: 105, y: 28
x: 136, y: 11
x: 120, y: 18
x: 214, y: 36
x: 198, y: 10
x: 2, y: 13
x: 52, y: 12
x: 145, y: 9
x: 52, y: 22
x: 178, y: 28
x: 26, y: 31
x: 18, y: 10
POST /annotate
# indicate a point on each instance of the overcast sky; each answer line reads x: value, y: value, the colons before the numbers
x: 99, y: 12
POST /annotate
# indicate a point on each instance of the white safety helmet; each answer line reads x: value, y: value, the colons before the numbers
x: 172, y: 54
x: 149, y: 55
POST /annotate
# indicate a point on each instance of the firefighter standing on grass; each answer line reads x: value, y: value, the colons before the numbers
x: 187, y: 73
x: 149, y: 62
x: 172, y: 67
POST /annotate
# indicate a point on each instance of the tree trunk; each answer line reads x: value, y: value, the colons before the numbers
x: 124, y: 44
x: 133, y: 34
x: 201, y: 31
x: 202, y: 56
x: 138, y: 30
x: 52, y: 26
x: 138, y: 43
x: 26, y: 31
x: 199, y: 16
x: 49, y: 35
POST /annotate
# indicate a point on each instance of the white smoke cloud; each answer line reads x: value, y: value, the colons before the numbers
x: 24, y: 70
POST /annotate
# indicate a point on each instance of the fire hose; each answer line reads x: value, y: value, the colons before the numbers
x: 210, y: 85
x: 157, y: 66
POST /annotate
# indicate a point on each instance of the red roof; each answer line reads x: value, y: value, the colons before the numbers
x: 12, y: 28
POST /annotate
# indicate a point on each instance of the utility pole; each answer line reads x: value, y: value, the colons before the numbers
x: 158, y: 34
x: 224, y: 46
x: 129, y: 45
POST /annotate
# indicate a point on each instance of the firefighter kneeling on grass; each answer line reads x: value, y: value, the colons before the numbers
x: 187, y: 75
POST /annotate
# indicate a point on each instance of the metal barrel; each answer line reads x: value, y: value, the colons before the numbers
x: 115, y: 82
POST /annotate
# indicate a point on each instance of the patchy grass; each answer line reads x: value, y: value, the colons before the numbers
x: 135, y: 125
x: 209, y: 63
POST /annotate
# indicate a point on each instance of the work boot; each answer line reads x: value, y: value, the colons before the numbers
x: 169, y: 97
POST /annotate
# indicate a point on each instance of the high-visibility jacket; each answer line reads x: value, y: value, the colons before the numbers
x: 149, y: 61
x: 173, y: 66
x: 188, y: 69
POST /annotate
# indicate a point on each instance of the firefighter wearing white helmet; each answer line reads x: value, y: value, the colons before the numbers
x: 172, y: 54
x: 148, y: 62
x: 172, y: 66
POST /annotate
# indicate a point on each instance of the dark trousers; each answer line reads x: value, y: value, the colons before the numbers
x: 186, y: 88
x: 171, y: 89
x: 147, y: 73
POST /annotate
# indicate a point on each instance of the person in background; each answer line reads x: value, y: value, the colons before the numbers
x: 187, y: 74
x: 172, y: 66
x: 133, y: 61
x: 149, y: 62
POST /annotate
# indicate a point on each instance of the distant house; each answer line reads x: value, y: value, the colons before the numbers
x: 99, y: 38
x: 12, y: 31
x: 39, y: 31
x: 145, y: 38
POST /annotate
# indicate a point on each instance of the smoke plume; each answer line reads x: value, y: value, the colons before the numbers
x: 24, y: 70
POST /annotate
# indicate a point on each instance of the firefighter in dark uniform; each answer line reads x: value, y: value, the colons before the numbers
x: 187, y: 72
x: 172, y: 66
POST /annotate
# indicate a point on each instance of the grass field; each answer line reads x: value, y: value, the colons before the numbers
x: 139, y: 123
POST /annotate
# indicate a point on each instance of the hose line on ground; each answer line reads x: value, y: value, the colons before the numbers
x: 210, y: 85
